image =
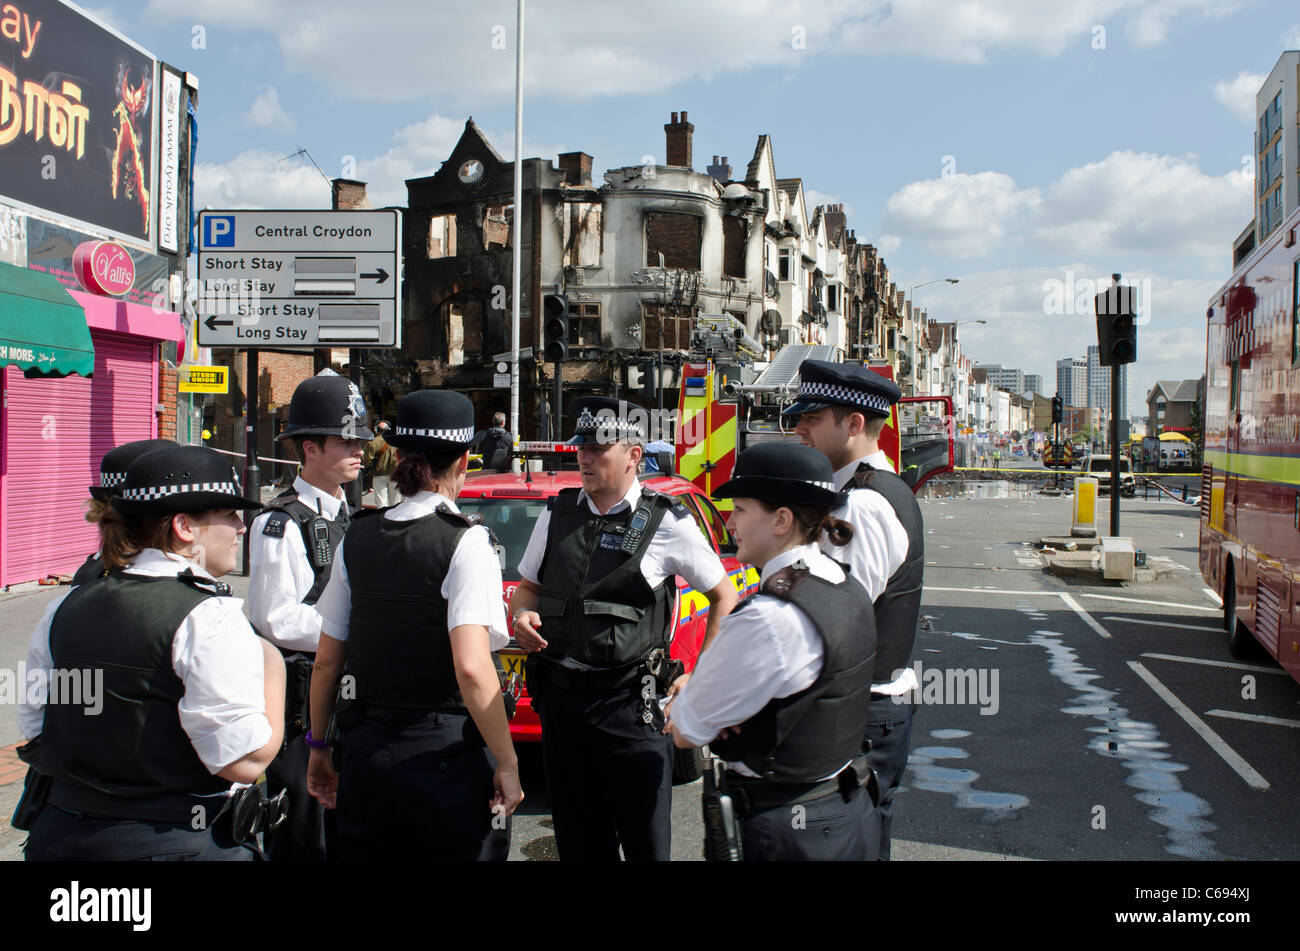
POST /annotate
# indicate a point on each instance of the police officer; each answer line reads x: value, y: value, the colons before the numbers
x: 179, y: 697
x: 792, y: 666
x: 112, y: 472
x: 413, y: 611
x: 290, y: 554
x: 842, y: 409
x: 596, y: 600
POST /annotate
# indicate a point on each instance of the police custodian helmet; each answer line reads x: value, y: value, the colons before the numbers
x: 112, y: 468
x: 783, y: 473
x: 180, y: 479
x: 823, y: 384
x: 327, y: 405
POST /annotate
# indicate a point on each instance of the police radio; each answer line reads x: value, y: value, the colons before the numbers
x: 322, y: 553
x: 636, y: 527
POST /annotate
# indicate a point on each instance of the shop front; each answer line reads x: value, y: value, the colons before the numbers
x: 78, y: 376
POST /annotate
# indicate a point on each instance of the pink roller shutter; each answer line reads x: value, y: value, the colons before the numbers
x: 55, y: 432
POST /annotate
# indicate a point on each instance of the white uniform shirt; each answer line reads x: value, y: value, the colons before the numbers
x: 769, y: 650
x: 678, y: 547
x: 878, y: 547
x: 218, y: 658
x: 281, y: 575
x: 472, y: 586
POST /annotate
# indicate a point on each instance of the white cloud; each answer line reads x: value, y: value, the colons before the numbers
x: 266, y: 111
x: 109, y: 16
x: 962, y: 215
x: 386, y: 54
x: 888, y: 244
x: 1133, y: 203
x: 815, y: 198
x: 1159, y: 206
x: 1238, y: 95
x: 1151, y: 21
x: 1291, y: 38
x: 257, y: 179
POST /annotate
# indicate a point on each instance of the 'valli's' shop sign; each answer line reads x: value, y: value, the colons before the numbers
x: 77, y: 107
x: 104, y: 267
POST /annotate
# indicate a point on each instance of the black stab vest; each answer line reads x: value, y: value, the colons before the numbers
x: 135, y: 747
x: 596, y: 606
x: 899, y: 606
x: 90, y: 569
x: 809, y: 735
x: 399, y: 651
x: 302, y: 515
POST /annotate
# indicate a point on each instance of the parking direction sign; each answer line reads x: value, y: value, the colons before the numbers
x: 300, y: 278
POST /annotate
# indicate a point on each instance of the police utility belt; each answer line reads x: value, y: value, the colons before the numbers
x: 246, y: 808
x: 657, y: 663
x: 729, y: 797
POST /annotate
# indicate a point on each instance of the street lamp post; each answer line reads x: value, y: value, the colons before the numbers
x: 911, y: 295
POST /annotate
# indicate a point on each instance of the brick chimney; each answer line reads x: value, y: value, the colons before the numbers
x: 720, y: 170
x: 349, y: 195
x: 576, y: 167
x: 835, y: 220
x: 679, y: 141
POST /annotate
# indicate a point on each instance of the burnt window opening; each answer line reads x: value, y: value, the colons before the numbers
x: 674, y: 236
x: 584, y: 324
x: 783, y: 266
x: 733, y: 246
x: 442, y: 237
x: 832, y: 297
x: 498, y: 223
x: 677, y: 324
x: 583, y: 235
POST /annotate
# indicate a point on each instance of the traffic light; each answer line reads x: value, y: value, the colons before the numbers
x: 555, y: 327
x: 1117, y: 325
x: 1058, y: 410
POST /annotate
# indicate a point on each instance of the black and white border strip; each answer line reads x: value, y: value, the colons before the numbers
x: 150, y: 492
x: 450, y: 435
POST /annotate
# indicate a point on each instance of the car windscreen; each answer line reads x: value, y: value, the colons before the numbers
x: 511, y: 521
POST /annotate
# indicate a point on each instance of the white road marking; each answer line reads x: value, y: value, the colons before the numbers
x: 986, y: 591
x: 1253, y: 718
x: 1087, y: 618
x: 1159, y: 604
x: 1216, y: 742
x: 1181, y: 627
x: 1213, y: 597
x: 1253, y: 668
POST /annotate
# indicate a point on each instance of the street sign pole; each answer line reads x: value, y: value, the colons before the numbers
x: 252, y: 472
x: 516, y: 241
x: 1114, y: 450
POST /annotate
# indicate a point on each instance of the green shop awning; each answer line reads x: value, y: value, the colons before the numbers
x: 42, y: 328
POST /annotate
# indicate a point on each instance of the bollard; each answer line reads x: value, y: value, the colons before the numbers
x: 1085, y: 507
x: 1184, y: 491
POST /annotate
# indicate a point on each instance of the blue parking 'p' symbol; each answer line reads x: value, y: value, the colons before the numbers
x: 219, y: 231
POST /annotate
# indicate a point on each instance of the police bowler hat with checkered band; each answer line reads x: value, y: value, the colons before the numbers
x: 327, y: 405
x: 784, y: 473
x: 180, y: 479
x: 823, y: 384
x: 604, y: 420
x: 434, y: 421
x: 112, y: 468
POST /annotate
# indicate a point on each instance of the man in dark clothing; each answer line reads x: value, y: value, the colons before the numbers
x: 496, y: 445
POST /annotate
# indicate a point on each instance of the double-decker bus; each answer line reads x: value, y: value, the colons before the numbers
x: 1250, y: 477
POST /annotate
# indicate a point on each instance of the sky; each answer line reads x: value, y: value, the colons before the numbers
x: 1028, y: 148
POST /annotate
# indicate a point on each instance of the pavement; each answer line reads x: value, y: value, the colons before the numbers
x: 1057, y: 719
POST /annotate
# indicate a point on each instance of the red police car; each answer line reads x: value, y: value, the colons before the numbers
x: 510, y: 504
